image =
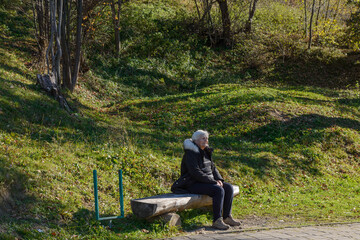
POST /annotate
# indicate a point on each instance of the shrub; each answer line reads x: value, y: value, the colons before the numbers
x: 353, y: 31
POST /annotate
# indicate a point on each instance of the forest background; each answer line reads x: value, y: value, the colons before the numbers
x: 276, y: 83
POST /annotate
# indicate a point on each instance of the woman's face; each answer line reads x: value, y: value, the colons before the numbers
x: 202, y: 142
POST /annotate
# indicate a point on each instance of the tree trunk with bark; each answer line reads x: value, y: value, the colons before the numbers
x: 310, y: 24
x: 41, y: 24
x: 116, y: 10
x: 248, y: 24
x: 78, y: 45
x: 305, y: 18
x: 66, y: 60
x: 226, y: 23
x: 318, y: 14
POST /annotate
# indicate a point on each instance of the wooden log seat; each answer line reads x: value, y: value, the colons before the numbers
x: 161, y: 204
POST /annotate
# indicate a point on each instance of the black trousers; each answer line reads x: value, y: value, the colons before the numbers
x: 222, y: 197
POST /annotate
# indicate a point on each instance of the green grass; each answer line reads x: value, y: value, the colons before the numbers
x: 291, y: 145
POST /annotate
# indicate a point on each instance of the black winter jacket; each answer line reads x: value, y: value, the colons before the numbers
x: 192, y: 168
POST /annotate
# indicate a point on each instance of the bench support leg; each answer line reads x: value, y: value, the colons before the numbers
x: 172, y: 219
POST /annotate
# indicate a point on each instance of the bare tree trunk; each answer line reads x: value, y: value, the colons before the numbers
x: 47, y: 19
x: 207, y: 13
x: 310, y: 26
x: 305, y: 18
x: 252, y: 8
x: 58, y: 44
x: 37, y: 34
x: 225, y: 17
x: 327, y: 9
x: 318, y: 13
x: 78, y: 45
x: 197, y: 9
x: 49, y: 50
x: 41, y: 33
x: 66, y: 60
x: 116, y: 22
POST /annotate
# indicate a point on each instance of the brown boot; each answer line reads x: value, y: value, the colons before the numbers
x: 232, y: 222
x: 219, y: 224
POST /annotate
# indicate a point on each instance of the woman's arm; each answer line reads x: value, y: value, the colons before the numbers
x: 216, y: 173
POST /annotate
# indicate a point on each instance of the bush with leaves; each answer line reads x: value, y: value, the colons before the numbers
x: 353, y: 31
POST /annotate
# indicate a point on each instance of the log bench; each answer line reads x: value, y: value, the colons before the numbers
x: 161, y: 205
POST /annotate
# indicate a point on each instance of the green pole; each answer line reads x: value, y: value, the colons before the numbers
x: 96, y: 196
x: 121, y: 194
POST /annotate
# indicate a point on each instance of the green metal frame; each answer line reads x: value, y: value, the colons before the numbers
x: 121, y: 199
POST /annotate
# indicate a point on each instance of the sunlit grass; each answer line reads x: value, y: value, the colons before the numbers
x: 293, y: 150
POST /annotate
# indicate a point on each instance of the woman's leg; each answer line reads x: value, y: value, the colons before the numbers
x: 228, y: 198
x: 213, y: 190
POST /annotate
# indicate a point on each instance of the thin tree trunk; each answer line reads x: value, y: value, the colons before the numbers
x: 66, y: 61
x: 46, y: 20
x: 305, y: 18
x: 310, y: 26
x: 317, y: 14
x: 327, y: 9
x: 206, y: 11
x: 58, y: 44
x: 43, y: 28
x: 36, y: 34
x: 252, y: 9
x: 38, y: 17
x: 197, y: 9
x: 78, y: 45
x: 49, y: 50
x: 116, y: 23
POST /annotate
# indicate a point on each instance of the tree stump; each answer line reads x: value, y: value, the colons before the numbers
x: 48, y: 83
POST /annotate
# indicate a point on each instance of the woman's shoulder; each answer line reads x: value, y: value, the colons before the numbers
x: 189, y: 145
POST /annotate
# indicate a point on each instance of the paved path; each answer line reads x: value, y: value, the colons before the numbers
x: 336, y: 232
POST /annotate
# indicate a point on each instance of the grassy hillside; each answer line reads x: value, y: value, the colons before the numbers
x: 293, y: 149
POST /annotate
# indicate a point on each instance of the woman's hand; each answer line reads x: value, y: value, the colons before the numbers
x: 220, y: 183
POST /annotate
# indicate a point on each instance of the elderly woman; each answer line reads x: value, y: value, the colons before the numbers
x: 200, y: 176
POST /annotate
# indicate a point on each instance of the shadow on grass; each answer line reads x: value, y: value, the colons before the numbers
x: 285, y: 134
x: 84, y: 223
x: 18, y: 207
x: 15, y: 70
x: 41, y: 117
x: 292, y: 128
x: 350, y: 102
x: 318, y: 69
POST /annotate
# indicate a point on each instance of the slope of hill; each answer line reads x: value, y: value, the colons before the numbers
x: 293, y: 150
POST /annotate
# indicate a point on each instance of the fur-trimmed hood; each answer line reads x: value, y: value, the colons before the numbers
x: 190, y: 145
